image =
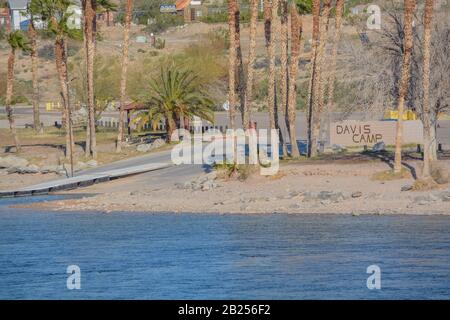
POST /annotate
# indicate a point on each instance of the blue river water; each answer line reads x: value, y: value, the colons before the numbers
x: 204, y: 256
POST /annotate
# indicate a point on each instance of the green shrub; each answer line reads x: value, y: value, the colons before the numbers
x: 160, y: 43
x: 162, y: 22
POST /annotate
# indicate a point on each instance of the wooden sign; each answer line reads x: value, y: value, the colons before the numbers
x: 353, y: 133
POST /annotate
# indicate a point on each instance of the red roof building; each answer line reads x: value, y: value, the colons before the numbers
x: 191, y: 10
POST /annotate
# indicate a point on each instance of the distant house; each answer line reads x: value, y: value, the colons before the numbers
x: 18, y: 14
x: 4, y: 19
x: 191, y: 10
x: 19, y: 17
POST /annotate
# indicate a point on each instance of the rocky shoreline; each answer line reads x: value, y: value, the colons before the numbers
x: 297, y: 189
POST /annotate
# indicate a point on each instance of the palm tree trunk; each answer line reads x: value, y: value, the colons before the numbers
x: 427, y: 19
x: 8, y: 98
x: 409, y: 6
x: 271, y: 55
x: 332, y: 67
x: 313, y: 82
x: 89, y: 32
x: 318, y: 80
x: 251, y: 61
x: 296, y: 33
x: 336, y: 38
x: 61, y: 67
x: 170, y: 127
x: 123, y: 80
x: 34, y: 76
x: 284, y: 74
x: 232, y: 62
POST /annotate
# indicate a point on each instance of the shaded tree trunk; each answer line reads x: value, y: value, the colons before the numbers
x: 296, y: 33
x: 34, y: 76
x: 318, y: 79
x: 281, y: 113
x: 427, y: 19
x: 271, y: 101
x: 409, y: 6
x: 89, y: 7
x: 313, y: 82
x: 232, y: 62
x: 123, y: 80
x: 61, y: 67
x: 8, y: 98
x: 251, y: 62
x: 336, y: 38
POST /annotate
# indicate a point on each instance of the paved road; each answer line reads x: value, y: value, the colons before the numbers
x: 24, y: 115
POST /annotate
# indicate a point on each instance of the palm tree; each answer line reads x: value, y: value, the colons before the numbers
x: 16, y: 41
x: 296, y: 33
x: 34, y: 73
x: 332, y: 67
x: 313, y: 82
x: 271, y: 55
x: 89, y: 30
x: 233, y: 19
x: 408, y: 12
x: 318, y: 79
x: 284, y: 73
x: 90, y: 8
x: 251, y: 61
x: 427, y: 19
x: 56, y: 14
x: 175, y: 95
x: 123, y: 80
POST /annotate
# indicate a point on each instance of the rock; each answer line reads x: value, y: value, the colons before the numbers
x: 355, y: 214
x: 357, y: 194
x: 207, y: 185
x: 408, y: 187
x: 295, y: 206
x: 32, y: 168
x: 24, y: 170
x: 12, y: 162
x: 439, y: 174
x: 92, y: 163
x: 445, y: 196
x: 52, y: 169
x: 380, y: 146
x: 145, y: 147
x: 331, y: 196
x: 422, y: 200
x: 337, y: 148
x: 158, y: 143
x: 81, y: 165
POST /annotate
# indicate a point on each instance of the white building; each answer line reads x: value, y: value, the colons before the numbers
x: 18, y: 14
x: 19, y: 17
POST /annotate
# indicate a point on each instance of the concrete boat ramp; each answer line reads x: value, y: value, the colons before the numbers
x: 83, y: 180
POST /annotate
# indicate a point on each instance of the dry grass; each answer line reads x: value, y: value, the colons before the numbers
x: 390, y: 175
x: 424, y: 185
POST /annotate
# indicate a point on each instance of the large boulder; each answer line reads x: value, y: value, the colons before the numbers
x: 439, y: 174
x: 145, y: 147
x: 378, y: 147
x: 158, y: 143
x: 13, y: 162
